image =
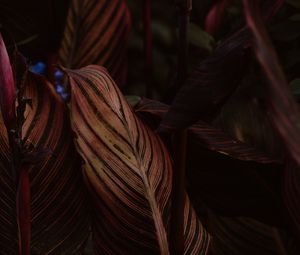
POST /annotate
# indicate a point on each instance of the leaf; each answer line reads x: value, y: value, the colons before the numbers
x: 284, y: 111
x: 128, y: 169
x: 7, y: 87
x: 200, y: 38
x: 23, y: 211
x: 59, y: 210
x: 215, y: 16
x: 213, y: 81
x: 209, y: 84
x: 97, y: 33
x: 223, y: 171
x: 235, y: 236
x: 204, y: 135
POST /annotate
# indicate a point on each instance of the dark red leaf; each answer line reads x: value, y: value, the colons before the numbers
x: 97, y: 33
x: 58, y: 203
x: 215, y: 16
x: 210, y: 85
x: 7, y: 88
x: 23, y: 211
x: 283, y: 109
x: 222, y: 171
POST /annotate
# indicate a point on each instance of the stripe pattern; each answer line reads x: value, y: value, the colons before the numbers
x: 97, y: 33
x: 59, y: 215
x: 282, y: 106
x: 128, y: 170
x: 236, y: 236
x: 205, y: 135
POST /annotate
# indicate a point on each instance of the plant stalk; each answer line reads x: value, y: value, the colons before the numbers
x: 184, y: 10
x: 179, y: 141
x: 178, y: 193
x: 148, y: 47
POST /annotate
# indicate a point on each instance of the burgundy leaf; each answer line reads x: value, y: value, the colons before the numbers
x: 283, y: 109
x: 58, y: 203
x: 215, y: 16
x: 23, y: 211
x: 7, y: 87
x: 97, y: 33
x: 204, y: 135
x: 222, y: 171
x: 217, y: 77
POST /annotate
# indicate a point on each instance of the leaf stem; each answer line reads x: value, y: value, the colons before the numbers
x: 148, y: 47
x: 179, y: 141
x: 178, y: 193
x: 184, y: 10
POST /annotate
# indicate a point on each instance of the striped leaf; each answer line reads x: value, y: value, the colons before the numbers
x: 204, y: 135
x: 222, y: 171
x: 128, y: 170
x: 283, y: 108
x: 7, y: 87
x: 214, y: 80
x: 59, y: 215
x: 97, y: 33
x: 236, y: 236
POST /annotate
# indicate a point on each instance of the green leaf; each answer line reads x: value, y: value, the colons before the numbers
x: 133, y: 100
x: 200, y: 38
x: 295, y: 85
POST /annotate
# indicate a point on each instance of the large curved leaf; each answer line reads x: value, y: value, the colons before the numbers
x: 204, y: 135
x: 222, y: 171
x: 59, y: 212
x: 97, y: 33
x: 283, y: 109
x: 7, y: 86
x: 128, y: 170
x: 214, y: 80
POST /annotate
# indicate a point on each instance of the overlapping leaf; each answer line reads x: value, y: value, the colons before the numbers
x: 210, y: 84
x: 204, y: 135
x: 59, y: 214
x: 222, y: 171
x: 284, y: 111
x: 128, y: 170
x: 235, y: 236
x: 97, y: 33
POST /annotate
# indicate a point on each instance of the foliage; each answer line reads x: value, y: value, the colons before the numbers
x: 208, y: 165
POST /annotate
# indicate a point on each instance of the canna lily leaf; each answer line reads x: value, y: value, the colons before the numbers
x: 7, y: 87
x: 204, y: 135
x: 97, y: 33
x: 58, y: 202
x: 213, y: 81
x: 235, y: 236
x: 284, y: 111
x: 128, y: 170
x: 222, y: 171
